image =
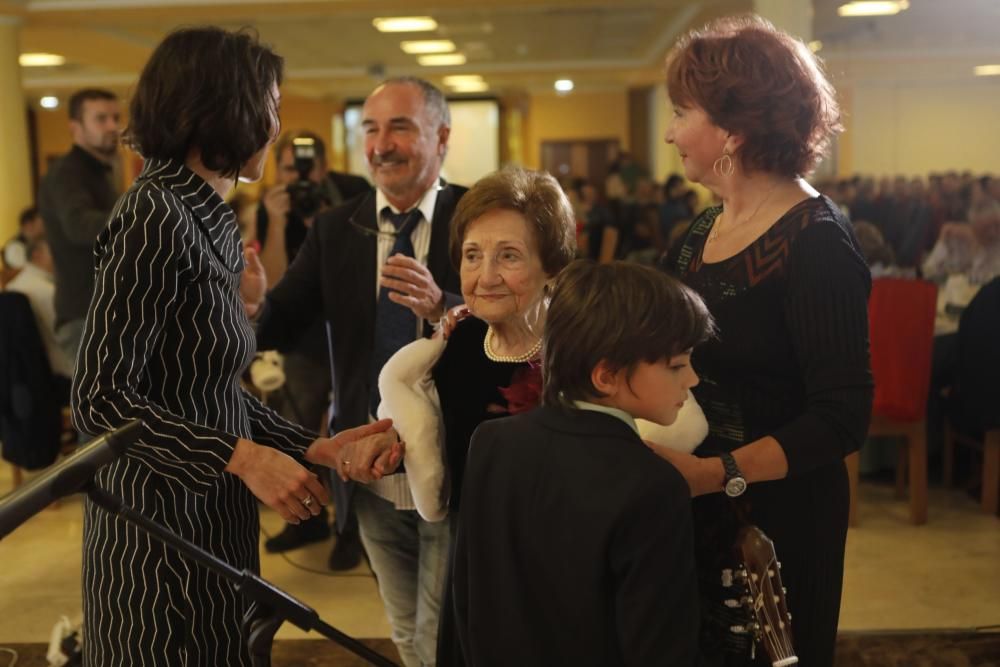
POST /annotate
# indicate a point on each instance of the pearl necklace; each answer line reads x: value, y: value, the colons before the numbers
x: 508, y: 358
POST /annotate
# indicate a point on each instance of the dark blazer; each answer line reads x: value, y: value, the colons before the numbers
x: 30, y: 411
x: 349, y: 185
x: 574, y: 547
x: 333, y: 278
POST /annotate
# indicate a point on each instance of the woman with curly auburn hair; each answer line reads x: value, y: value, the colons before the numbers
x: 787, y: 386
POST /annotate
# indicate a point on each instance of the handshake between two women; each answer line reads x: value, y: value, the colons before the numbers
x: 364, y: 454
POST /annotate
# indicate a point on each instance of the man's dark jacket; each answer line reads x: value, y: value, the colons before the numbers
x: 333, y: 278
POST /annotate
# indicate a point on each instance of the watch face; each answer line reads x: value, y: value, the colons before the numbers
x: 735, y: 487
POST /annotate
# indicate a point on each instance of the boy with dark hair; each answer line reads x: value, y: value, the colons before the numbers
x: 575, y: 542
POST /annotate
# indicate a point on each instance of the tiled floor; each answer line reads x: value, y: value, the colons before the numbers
x: 942, y: 575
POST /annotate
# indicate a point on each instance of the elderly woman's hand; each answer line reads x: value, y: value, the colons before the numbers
x: 253, y: 282
x: 354, y: 453
x: 451, y: 319
x: 370, y: 458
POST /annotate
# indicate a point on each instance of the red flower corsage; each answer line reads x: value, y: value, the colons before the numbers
x: 525, y: 390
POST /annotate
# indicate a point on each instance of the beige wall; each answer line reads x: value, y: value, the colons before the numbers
x: 579, y: 115
x: 916, y: 128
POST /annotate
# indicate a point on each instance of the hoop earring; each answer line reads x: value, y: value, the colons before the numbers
x: 724, y: 166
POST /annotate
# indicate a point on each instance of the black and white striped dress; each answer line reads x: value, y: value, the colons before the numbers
x: 166, y: 341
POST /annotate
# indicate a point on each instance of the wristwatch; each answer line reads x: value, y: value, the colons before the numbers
x: 735, y: 484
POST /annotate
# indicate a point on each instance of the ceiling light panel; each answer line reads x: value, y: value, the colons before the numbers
x: 405, y: 24
x: 442, y: 59
x: 480, y: 87
x: 873, y: 7
x: 428, y: 46
x: 462, y: 79
x: 40, y: 60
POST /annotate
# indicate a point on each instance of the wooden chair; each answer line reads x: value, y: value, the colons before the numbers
x: 989, y: 445
x: 974, y: 397
x: 901, y: 327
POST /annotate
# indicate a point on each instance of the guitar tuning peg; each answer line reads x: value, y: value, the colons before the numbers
x: 784, y: 590
x: 732, y: 604
x: 727, y: 578
x: 770, y: 574
x: 738, y: 629
x: 789, y: 616
x: 777, y: 598
x: 779, y: 564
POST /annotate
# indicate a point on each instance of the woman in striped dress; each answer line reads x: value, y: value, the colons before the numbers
x: 166, y: 341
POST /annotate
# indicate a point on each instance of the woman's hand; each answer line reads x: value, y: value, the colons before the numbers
x: 451, y: 319
x: 702, y: 475
x: 371, y: 458
x: 278, y: 481
x: 347, y: 451
x: 253, y: 282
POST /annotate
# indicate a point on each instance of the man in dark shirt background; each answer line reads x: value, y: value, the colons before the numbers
x: 75, y: 198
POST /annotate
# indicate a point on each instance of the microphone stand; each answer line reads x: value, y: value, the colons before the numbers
x: 273, y: 605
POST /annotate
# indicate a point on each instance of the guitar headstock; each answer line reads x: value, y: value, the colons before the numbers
x: 759, y: 593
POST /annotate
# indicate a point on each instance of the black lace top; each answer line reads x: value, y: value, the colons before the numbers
x: 791, y: 360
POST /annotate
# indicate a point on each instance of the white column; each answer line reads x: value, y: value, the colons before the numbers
x: 15, y: 162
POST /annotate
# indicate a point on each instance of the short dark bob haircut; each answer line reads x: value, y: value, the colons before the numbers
x: 210, y: 89
x: 621, y: 313
x: 537, y: 196
x: 761, y: 83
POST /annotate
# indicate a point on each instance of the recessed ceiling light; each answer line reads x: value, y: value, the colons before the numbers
x: 428, y: 46
x: 405, y: 24
x: 815, y: 45
x: 471, y: 87
x: 462, y: 79
x: 873, y: 7
x: 987, y: 70
x: 564, y: 85
x: 440, y: 59
x: 40, y: 60
x: 49, y: 102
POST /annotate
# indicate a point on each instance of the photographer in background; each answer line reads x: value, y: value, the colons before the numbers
x: 304, y: 188
x: 287, y: 210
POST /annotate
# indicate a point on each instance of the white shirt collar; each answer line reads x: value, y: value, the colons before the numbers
x: 614, y: 412
x: 426, y: 203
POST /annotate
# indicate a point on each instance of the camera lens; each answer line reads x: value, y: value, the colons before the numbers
x: 306, y: 198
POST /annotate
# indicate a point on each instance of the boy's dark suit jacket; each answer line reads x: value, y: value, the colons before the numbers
x: 333, y: 277
x: 574, y: 547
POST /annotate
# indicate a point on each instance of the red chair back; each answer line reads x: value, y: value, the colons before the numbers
x: 901, y: 321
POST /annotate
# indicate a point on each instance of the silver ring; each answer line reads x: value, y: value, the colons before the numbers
x: 307, y: 501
